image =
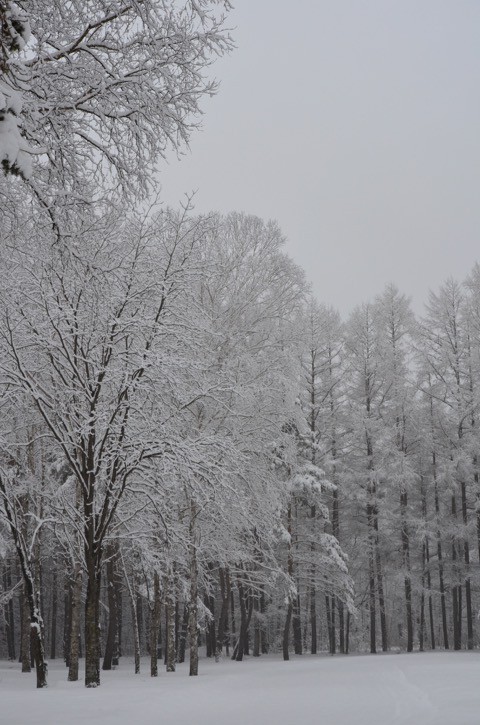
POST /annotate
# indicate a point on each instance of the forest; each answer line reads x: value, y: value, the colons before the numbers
x: 196, y: 455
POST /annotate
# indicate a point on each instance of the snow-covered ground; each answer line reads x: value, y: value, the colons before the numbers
x: 419, y: 689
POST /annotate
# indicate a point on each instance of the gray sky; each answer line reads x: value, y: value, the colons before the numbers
x: 355, y: 124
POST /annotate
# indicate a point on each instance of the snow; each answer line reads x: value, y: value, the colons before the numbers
x: 428, y: 689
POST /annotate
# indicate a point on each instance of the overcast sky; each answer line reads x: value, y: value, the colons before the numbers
x: 355, y: 124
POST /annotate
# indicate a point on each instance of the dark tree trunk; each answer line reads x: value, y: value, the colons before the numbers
x: 421, y: 628
x: 53, y: 614
x: 371, y: 581
x: 74, y: 621
x: 381, y: 595
x: 443, y: 603
x: 193, y: 617
x: 286, y: 631
x: 341, y: 625
x: 111, y: 648
x: 182, y: 640
x: 224, y: 578
x: 263, y: 631
x: 210, y: 637
x: 134, y: 601
x: 456, y: 589
x: 297, y: 627
x: 406, y: 564
x: 25, y: 635
x: 313, y: 619
x: 9, y: 614
x: 256, y: 626
x: 193, y: 603
x: 67, y: 613
x: 92, y: 632
x: 170, y: 623
x: 154, y: 626
x: 239, y: 649
x: 426, y: 574
x: 329, y: 609
x: 347, y: 634
x: 93, y: 563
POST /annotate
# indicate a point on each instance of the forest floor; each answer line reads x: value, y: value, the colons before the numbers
x: 438, y: 688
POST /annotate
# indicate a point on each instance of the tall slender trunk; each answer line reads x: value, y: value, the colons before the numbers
x: 170, y: 615
x: 430, y: 597
x: 193, y: 604
x: 426, y: 574
x: 407, y: 569
x: 288, y: 618
x: 313, y: 589
x: 371, y: 580
x: 380, y: 588
x: 263, y: 630
x: 441, y: 579
x: 111, y: 647
x: 329, y: 604
x: 456, y: 589
x: 224, y: 578
x: 313, y: 619
x: 297, y: 625
x: 25, y: 634
x: 154, y: 625
x: 182, y: 640
x: 133, y: 595
x: 421, y: 629
x: 74, y: 634
x: 286, y: 631
x: 93, y: 565
x: 67, y: 615
x: 92, y: 633
x: 8, y: 613
x: 53, y: 614
x: 256, y: 626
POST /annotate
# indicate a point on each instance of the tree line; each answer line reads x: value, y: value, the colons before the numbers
x: 193, y: 446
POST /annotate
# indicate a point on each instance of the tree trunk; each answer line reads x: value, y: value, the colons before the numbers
x: 263, y: 631
x: 133, y: 595
x: 406, y: 563
x: 182, y: 640
x: 466, y: 554
x: 92, y: 633
x: 9, y: 614
x: 193, y: 604
x: 313, y: 619
x: 53, y: 614
x: 67, y: 616
x: 111, y: 647
x: 456, y: 589
x: 286, y: 631
x: 74, y: 618
x: 297, y: 627
x: 329, y: 609
x: 239, y: 650
x: 371, y: 581
x: 341, y: 625
x: 170, y: 627
x: 154, y: 626
x: 25, y: 635
x: 193, y: 616
x: 256, y: 626
x: 224, y: 578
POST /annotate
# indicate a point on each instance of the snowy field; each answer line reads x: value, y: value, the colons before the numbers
x: 427, y: 689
